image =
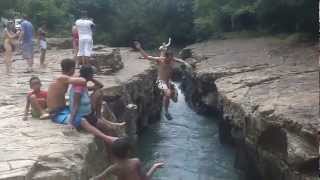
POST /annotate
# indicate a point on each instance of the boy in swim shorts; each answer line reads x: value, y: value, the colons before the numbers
x: 37, y: 100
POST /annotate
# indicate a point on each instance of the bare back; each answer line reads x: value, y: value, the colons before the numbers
x: 128, y: 170
x: 56, y: 94
x: 165, y: 70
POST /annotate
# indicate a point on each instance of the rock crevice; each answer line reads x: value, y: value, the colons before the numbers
x: 268, y: 106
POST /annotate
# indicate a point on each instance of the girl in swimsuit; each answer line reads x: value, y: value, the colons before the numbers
x: 9, y: 37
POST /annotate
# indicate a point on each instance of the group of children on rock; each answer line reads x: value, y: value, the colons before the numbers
x: 84, y: 109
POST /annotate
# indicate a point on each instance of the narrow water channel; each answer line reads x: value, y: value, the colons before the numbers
x: 189, y: 146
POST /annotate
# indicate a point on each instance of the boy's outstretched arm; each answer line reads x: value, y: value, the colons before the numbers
x: 97, y: 85
x: 169, y: 43
x: 182, y: 61
x: 144, y: 54
x: 105, y: 173
x: 76, y: 81
x: 153, y: 169
x: 26, y: 111
x: 72, y: 80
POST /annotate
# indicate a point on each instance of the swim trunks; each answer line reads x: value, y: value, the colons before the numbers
x: 62, y: 116
x: 85, y: 47
x: 27, y: 50
x: 162, y: 85
x: 43, y: 44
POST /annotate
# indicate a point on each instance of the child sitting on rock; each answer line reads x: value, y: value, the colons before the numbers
x: 37, y: 100
x: 126, y: 168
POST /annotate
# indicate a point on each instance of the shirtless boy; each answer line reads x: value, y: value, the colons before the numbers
x: 56, y: 102
x: 126, y: 168
x: 165, y: 69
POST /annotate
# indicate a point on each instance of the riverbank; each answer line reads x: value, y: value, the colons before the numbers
x: 42, y: 150
x: 267, y: 94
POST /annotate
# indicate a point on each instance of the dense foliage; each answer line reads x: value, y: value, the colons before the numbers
x: 153, y: 21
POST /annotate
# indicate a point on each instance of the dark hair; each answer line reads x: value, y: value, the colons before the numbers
x: 121, y: 147
x: 67, y: 65
x: 86, y: 71
x: 34, y: 78
x: 25, y: 17
x: 83, y: 13
x: 168, y: 53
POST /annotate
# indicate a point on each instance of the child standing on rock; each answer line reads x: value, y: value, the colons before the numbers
x: 126, y: 168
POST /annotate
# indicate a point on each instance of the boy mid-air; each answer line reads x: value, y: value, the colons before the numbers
x: 126, y: 168
x: 165, y: 69
x: 37, y: 100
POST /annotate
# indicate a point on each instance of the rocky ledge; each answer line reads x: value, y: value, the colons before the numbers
x: 42, y: 150
x: 266, y: 92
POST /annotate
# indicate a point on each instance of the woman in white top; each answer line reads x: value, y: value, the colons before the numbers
x: 84, y: 27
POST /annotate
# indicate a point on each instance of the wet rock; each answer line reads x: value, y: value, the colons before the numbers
x: 273, y: 98
x: 185, y: 53
x: 107, y: 60
x: 137, y: 102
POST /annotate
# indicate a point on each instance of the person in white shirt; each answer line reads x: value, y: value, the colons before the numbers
x: 84, y: 27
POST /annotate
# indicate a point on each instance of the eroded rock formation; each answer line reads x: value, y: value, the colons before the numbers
x: 42, y: 150
x: 59, y: 43
x: 266, y: 92
x: 107, y: 60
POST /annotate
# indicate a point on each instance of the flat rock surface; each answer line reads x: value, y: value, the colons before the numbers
x: 27, y: 143
x: 268, y: 76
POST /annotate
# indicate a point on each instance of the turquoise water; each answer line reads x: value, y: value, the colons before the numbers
x: 189, y: 145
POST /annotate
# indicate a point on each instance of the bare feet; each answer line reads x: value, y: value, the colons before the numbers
x: 119, y: 125
x: 44, y: 116
x: 107, y: 139
x: 168, y: 116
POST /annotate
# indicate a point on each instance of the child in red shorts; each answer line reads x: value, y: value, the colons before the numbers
x: 37, y: 100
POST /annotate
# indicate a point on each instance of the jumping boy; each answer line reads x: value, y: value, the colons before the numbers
x: 37, y: 100
x: 165, y: 68
x: 126, y: 168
